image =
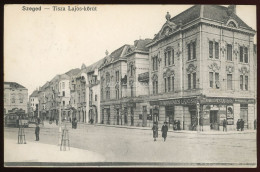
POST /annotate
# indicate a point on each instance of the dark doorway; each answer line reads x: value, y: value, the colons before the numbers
x: 214, y: 125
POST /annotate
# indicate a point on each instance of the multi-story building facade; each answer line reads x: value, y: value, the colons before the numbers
x: 15, y: 96
x: 202, y: 67
x: 33, y: 103
x: 113, y: 69
x: 93, y: 90
x: 136, y: 101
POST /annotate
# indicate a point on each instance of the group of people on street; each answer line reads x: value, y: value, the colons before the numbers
x: 240, y: 125
x: 164, y: 130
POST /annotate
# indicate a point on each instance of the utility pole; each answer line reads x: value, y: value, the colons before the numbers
x: 198, y: 111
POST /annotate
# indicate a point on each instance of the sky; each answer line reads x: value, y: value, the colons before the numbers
x: 38, y: 45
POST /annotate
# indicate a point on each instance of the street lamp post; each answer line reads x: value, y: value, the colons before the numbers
x: 198, y: 111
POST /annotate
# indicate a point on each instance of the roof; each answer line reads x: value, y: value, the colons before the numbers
x: 139, y: 45
x: 73, y: 72
x: 95, y: 66
x: 115, y: 55
x: 13, y: 85
x: 34, y: 94
x: 213, y: 12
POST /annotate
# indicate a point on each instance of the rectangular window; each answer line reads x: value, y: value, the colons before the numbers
x: 156, y: 87
x: 189, y: 52
x: 241, y: 82
x: 217, y: 80
x: 172, y: 56
x: 153, y: 87
x: 211, y: 79
x: 63, y: 93
x: 63, y: 103
x: 246, y: 55
x: 169, y: 84
x: 216, y: 50
x: 156, y: 63
x: 173, y: 83
x: 241, y: 52
x: 246, y: 82
x: 132, y: 91
x: 189, y: 81
x: 210, y: 49
x: 63, y: 85
x: 153, y: 63
x: 229, y: 81
x: 117, y: 76
x: 169, y: 58
x: 229, y: 52
x: 194, y: 80
x: 194, y: 50
x: 165, y: 59
x: 165, y: 85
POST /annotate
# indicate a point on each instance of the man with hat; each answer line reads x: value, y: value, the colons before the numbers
x: 164, y: 130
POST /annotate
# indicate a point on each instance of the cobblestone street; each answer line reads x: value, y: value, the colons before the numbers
x: 135, y: 145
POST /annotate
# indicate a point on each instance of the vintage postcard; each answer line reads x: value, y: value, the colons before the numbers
x: 130, y: 85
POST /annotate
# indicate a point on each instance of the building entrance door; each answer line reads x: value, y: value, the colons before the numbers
x: 214, y: 125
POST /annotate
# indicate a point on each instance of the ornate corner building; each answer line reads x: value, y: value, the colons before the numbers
x: 205, y: 69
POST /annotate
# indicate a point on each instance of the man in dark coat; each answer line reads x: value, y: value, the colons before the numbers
x: 155, y: 130
x: 242, y: 123
x: 238, y: 124
x: 164, y: 131
x: 37, y: 132
x: 224, y: 125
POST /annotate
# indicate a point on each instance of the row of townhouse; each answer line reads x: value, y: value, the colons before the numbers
x: 200, y: 67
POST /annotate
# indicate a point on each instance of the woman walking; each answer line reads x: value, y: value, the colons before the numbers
x: 155, y: 130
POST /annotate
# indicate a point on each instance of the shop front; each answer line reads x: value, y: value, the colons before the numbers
x: 209, y: 112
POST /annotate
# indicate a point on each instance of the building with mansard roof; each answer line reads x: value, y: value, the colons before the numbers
x: 202, y: 69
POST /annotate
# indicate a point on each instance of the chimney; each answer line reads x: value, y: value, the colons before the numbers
x: 135, y: 43
x: 232, y: 9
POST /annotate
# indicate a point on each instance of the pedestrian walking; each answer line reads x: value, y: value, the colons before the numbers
x: 201, y: 123
x: 37, y: 132
x: 155, y: 130
x: 225, y: 125
x: 164, y: 131
x: 75, y: 123
x: 242, y: 123
x: 238, y: 124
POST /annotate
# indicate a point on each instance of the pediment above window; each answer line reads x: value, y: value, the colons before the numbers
x: 155, y: 77
x: 168, y: 72
x: 214, y: 67
x: 191, y: 68
x: 243, y: 70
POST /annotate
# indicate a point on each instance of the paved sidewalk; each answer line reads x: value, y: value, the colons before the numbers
x: 39, y: 152
x: 212, y: 132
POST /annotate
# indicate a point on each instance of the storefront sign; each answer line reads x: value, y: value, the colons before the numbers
x: 185, y: 101
x: 217, y: 101
x: 245, y: 101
